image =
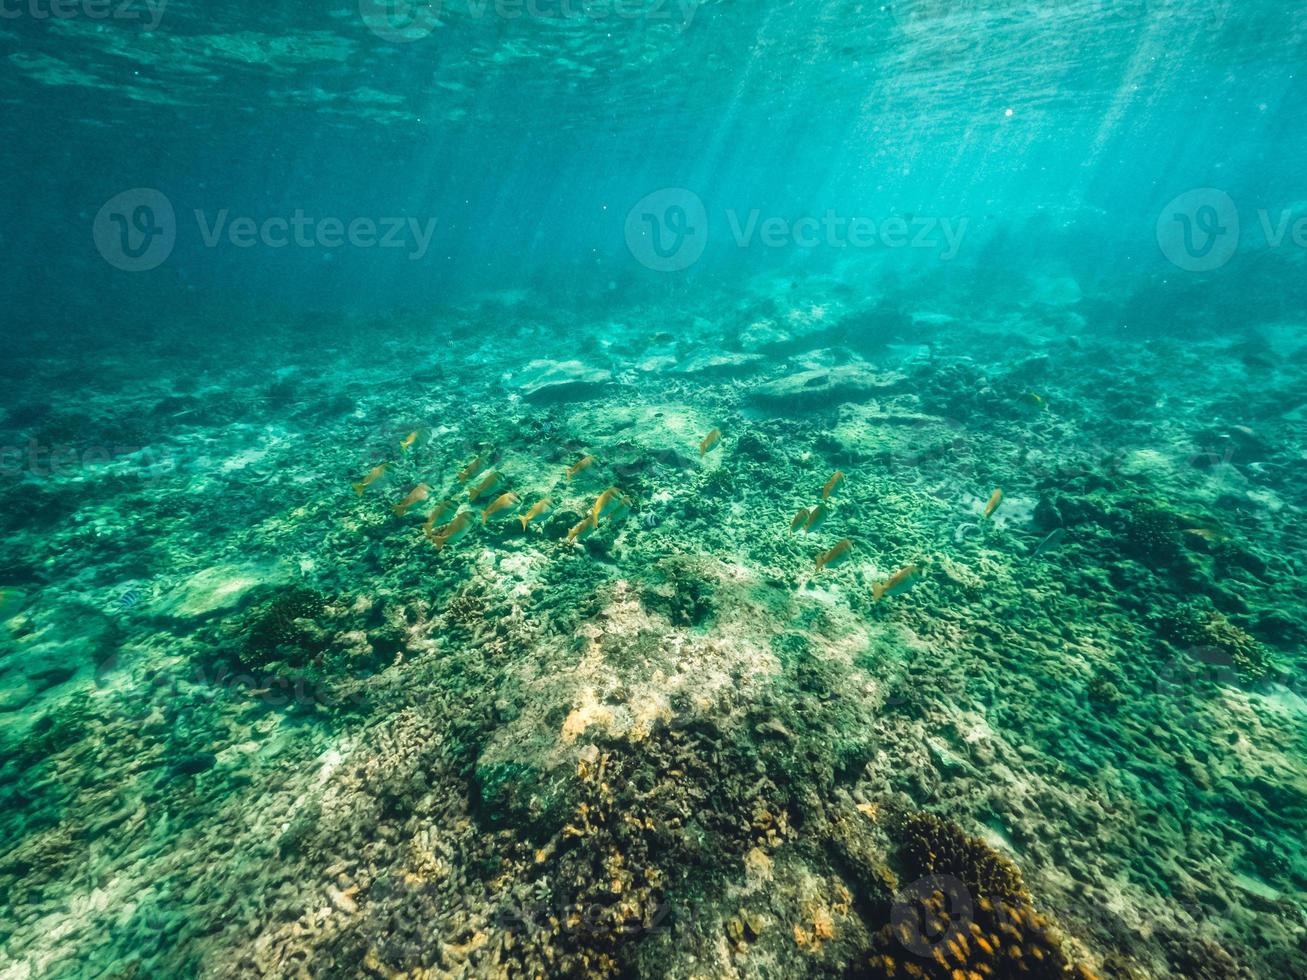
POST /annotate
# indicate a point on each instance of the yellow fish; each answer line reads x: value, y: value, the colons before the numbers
x: 408, y: 440
x: 610, y: 501
x: 994, y: 500
x: 430, y: 524
x: 502, y: 501
x: 710, y: 440
x: 472, y: 469
x: 543, y: 506
x: 1039, y: 401
x: 902, y: 580
x: 581, y: 529
x: 800, y: 519
x: 831, y: 484
x: 452, y: 531
x: 418, y: 494
x: 836, y: 556
x: 1208, y: 534
x: 376, y: 474
x: 815, y: 518
x: 580, y: 465
x: 485, y: 486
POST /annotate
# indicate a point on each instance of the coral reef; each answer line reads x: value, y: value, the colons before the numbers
x: 284, y: 735
x: 933, y: 845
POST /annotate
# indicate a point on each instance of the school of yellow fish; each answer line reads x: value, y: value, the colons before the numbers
x: 612, y: 505
x: 481, y: 481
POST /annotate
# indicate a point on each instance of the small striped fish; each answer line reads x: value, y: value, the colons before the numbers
x: 128, y: 599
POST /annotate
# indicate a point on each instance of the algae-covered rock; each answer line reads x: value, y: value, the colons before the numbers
x: 868, y: 430
x: 660, y: 433
x: 823, y: 388
x: 720, y: 364
x: 194, y: 763
x: 547, y: 382
x: 678, y: 589
x: 763, y: 336
x: 61, y: 642
x: 215, y: 589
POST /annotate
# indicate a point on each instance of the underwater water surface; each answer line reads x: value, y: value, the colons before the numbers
x: 653, y: 488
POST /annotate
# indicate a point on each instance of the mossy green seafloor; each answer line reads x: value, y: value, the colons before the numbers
x: 256, y: 725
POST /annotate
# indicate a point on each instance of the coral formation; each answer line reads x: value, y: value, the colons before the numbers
x: 679, y: 590
x: 970, y: 914
x: 1151, y: 533
x: 1104, y: 690
x: 283, y: 629
x: 933, y: 845
x: 1209, y: 636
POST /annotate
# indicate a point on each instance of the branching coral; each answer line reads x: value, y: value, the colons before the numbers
x: 935, y: 846
x: 468, y: 607
x: 274, y: 631
x: 1151, y: 533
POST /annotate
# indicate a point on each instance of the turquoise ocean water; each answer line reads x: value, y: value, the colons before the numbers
x: 690, y: 488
